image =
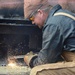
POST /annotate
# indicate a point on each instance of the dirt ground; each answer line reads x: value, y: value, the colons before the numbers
x: 17, y: 70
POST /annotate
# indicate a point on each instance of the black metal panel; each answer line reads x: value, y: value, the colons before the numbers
x: 14, y: 21
x: 18, y: 38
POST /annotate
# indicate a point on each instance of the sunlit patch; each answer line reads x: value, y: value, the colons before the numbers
x: 13, y: 65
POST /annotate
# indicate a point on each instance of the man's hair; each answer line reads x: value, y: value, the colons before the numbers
x: 47, y: 9
x: 31, y: 6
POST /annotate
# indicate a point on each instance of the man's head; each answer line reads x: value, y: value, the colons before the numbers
x: 36, y: 11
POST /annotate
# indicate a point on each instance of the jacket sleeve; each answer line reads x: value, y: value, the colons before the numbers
x: 51, y: 46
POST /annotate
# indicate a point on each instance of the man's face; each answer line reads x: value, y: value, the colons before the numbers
x: 38, y: 19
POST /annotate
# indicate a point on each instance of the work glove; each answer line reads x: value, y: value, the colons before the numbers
x: 28, y: 57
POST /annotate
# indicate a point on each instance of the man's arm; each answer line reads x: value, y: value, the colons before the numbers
x: 51, y: 46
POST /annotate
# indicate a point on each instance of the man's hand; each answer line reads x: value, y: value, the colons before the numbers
x: 28, y: 57
x: 12, y: 60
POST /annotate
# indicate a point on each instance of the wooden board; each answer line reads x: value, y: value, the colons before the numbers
x: 18, y: 70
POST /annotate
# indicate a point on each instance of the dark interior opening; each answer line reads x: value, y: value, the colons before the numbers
x: 18, y: 39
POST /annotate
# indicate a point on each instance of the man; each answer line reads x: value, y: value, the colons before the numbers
x: 58, y: 28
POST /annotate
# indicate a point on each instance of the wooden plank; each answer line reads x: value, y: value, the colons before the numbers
x: 63, y: 71
x: 17, y: 70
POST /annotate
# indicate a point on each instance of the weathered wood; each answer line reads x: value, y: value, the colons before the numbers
x: 17, y: 70
x: 63, y: 71
x: 63, y: 68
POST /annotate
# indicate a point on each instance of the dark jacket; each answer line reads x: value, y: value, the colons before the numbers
x: 58, y: 35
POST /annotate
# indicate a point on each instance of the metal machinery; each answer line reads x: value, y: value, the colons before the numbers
x: 17, y: 35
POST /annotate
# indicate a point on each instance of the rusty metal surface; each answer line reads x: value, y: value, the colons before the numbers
x: 15, y: 8
x: 66, y: 4
x: 11, y: 3
x: 11, y: 8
